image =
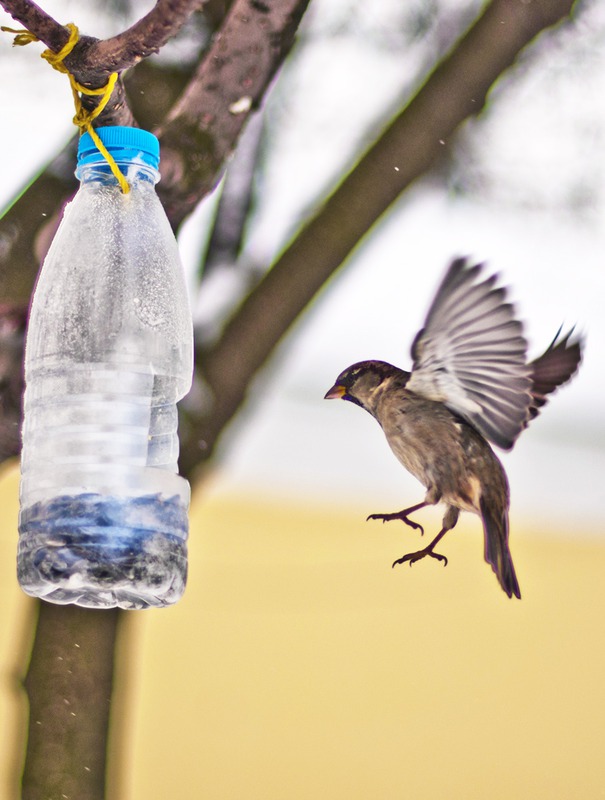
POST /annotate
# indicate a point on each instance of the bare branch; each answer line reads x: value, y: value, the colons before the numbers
x: 92, y: 61
x: 203, y: 127
x: 235, y: 202
x: 36, y: 21
x: 69, y: 684
x: 85, y: 69
x: 12, y: 338
x: 125, y: 50
x: 145, y: 37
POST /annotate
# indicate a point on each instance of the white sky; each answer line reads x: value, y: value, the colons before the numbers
x: 542, y: 159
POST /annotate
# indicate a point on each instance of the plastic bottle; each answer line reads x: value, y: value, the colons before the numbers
x: 103, y: 519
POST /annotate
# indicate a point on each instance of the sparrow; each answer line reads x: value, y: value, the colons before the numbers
x: 470, y: 385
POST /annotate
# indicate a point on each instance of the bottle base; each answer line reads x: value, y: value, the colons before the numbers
x: 100, y: 551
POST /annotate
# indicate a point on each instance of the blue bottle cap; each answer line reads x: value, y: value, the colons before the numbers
x: 124, y: 144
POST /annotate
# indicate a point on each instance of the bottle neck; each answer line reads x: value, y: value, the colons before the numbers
x: 134, y: 171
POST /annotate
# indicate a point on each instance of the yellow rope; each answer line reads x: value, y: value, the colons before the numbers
x: 83, y: 119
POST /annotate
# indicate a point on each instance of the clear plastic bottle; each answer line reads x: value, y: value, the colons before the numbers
x: 103, y: 518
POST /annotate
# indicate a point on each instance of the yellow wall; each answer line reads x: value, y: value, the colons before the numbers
x: 301, y: 666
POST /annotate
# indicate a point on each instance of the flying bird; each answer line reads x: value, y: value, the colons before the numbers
x: 470, y: 385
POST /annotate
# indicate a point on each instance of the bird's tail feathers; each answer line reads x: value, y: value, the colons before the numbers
x: 497, y: 553
x: 557, y: 365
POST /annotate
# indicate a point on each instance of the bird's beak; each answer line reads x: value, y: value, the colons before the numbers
x: 336, y: 392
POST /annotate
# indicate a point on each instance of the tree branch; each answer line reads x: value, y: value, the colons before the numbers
x: 12, y: 339
x: 411, y: 144
x: 233, y: 209
x: 203, y: 127
x: 145, y: 37
x: 37, y: 21
x: 92, y: 61
x: 101, y: 58
x: 69, y: 684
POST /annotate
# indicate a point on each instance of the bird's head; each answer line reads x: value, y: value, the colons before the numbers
x: 364, y: 382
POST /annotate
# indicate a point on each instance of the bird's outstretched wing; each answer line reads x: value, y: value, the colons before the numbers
x: 471, y: 355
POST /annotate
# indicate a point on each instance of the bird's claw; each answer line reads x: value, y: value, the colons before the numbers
x: 418, y: 555
x: 398, y: 515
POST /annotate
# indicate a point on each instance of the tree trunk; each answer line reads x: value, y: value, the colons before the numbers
x: 69, y: 685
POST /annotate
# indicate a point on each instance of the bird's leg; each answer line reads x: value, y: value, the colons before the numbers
x: 449, y: 520
x: 403, y: 516
x: 427, y: 551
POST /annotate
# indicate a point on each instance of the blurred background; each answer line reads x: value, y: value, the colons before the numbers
x: 299, y: 664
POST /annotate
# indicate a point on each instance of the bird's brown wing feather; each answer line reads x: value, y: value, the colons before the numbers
x: 471, y: 355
